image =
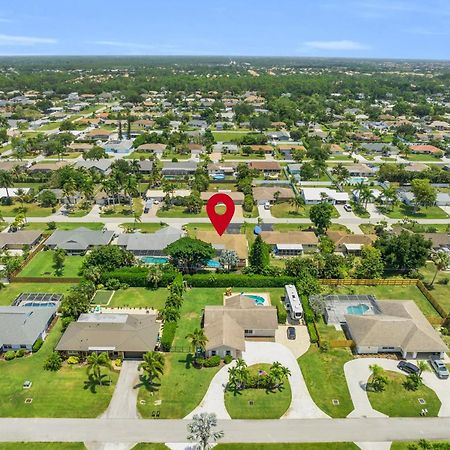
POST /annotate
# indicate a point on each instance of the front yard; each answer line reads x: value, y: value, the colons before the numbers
x: 32, y: 210
x: 286, y: 210
x: 396, y: 401
x: 402, y: 211
x: 42, y: 266
x: 65, y: 393
x: 123, y: 210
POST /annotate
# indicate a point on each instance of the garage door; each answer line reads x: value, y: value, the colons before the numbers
x: 133, y: 355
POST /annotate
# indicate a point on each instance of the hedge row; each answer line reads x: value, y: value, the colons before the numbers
x: 224, y: 280
x: 281, y: 313
x: 137, y: 276
x: 309, y: 319
x: 168, y: 335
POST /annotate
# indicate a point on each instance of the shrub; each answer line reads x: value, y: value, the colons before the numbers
x: 65, y: 321
x: 137, y: 276
x: 20, y: 353
x: 113, y: 284
x: 118, y: 362
x: 212, y: 361
x: 236, y: 280
x: 324, y: 346
x: 73, y: 360
x: 168, y: 335
x: 37, y: 345
x: 444, y: 281
x: 53, y: 362
x: 281, y: 313
x: 10, y: 355
x: 227, y: 359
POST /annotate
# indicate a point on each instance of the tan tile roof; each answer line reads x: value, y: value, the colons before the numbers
x: 236, y: 196
x: 235, y: 242
x: 291, y: 237
x: 266, y: 193
x: 340, y: 238
x: 265, y: 165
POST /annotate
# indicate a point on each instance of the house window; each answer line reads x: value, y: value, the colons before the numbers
x: 248, y: 331
x: 213, y: 353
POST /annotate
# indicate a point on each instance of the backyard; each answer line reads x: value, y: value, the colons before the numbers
x: 396, y: 401
x: 139, y: 298
x: 66, y: 393
x: 42, y: 265
x: 439, y: 290
x: 10, y: 291
x: 258, y: 403
x: 402, y: 211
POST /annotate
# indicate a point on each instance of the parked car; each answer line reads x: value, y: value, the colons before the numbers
x: 408, y: 367
x: 267, y: 205
x: 440, y: 368
x: 348, y: 208
x: 291, y: 334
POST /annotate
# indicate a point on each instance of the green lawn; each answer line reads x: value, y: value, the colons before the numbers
x: 406, y: 445
x: 439, y: 290
x: 227, y: 136
x: 396, y: 401
x: 143, y: 227
x: 390, y: 293
x: 402, y: 211
x: 420, y: 157
x: 123, y: 210
x: 42, y: 445
x: 42, y: 266
x: 306, y: 226
x: 324, y: 376
x: 55, y: 394
x: 102, y: 297
x: 49, y: 126
x: 147, y: 446
x: 66, y: 155
x: 290, y: 446
x: 258, y: 403
x: 241, y: 156
x: 64, y: 226
x: 180, y: 211
x: 196, y: 299
x: 192, y: 228
x: 140, y: 298
x: 181, y: 390
x: 11, y: 291
x: 33, y: 210
x: 286, y: 210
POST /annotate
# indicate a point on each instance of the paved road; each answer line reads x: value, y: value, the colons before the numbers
x: 291, y: 430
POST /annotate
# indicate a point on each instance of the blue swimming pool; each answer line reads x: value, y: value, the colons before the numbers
x: 356, y: 180
x: 357, y: 310
x: 219, y: 176
x: 39, y: 304
x: 155, y: 260
x: 257, y: 298
x: 213, y: 264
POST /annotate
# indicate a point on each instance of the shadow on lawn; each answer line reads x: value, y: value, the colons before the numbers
x: 93, y: 382
x: 149, y: 386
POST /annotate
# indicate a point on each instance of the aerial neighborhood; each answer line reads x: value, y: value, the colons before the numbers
x: 326, y: 298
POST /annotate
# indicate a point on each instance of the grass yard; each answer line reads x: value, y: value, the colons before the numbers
x: 102, y: 297
x: 390, y: 293
x: 439, y: 290
x: 405, y: 445
x: 42, y: 445
x: 258, y: 403
x: 180, y: 211
x: 197, y: 298
x: 192, y: 228
x: 65, y: 393
x: 49, y: 126
x: 181, y: 390
x: 286, y: 210
x: 10, y: 292
x: 396, y: 401
x: 42, y: 266
x: 306, y: 226
x: 291, y: 446
x: 139, y: 298
x: 227, y: 136
x: 123, y: 210
x: 325, y: 379
x: 147, y: 446
x: 422, y: 157
x: 142, y: 227
x: 402, y: 211
x: 64, y: 226
x: 32, y: 210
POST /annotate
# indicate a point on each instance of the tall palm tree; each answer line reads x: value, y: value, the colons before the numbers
x: 95, y: 362
x: 6, y: 181
x: 152, y: 366
x: 69, y: 190
x: 197, y: 340
x: 296, y: 202
x: 441, y: 261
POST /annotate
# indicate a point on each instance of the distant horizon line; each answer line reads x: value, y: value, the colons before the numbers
x: 357, y: 58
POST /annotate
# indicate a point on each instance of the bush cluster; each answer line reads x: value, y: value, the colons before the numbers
x: 237, y: 280
x: 168, y: 335
x: 137, y: 276
x: 37, y: 345
x: 212, y: 361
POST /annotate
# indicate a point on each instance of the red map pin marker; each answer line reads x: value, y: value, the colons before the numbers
x: 220, y: 221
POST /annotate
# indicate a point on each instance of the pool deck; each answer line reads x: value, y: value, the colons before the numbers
x: 264, y: 295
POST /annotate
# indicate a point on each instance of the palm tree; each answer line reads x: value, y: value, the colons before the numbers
x: 131, y: 188
x: 197, y: 340
x: 154, y: 275
x: 152, y: 366
x: 441, y: 261
x: 6, y: 181
x: 278, y: 373
x: 379, y: 379
x: 21, y: 195
x: 296, y: 202
x: 423, y: 367
x: 69, y: 190
x: 388, y: 196
x: 365, y: 195
x: 95, y: 362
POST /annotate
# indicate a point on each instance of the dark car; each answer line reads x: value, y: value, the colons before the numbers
x: 291, y: 333
x: 408, y: 367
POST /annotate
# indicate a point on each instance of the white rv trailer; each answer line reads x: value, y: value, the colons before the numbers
x: 292, y: 302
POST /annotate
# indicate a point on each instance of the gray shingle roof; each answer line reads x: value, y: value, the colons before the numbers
x: 79, y: 239
x: 149, y: 241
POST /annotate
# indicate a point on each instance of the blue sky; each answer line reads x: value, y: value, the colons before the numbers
x: 343, y: 28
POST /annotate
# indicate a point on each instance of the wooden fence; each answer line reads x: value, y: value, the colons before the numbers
x: 437, y: 306
x: 45, y: 280
x: 341, y: 343
x: 369, y: 282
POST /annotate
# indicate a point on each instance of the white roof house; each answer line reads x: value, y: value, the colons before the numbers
x: 312, y: 196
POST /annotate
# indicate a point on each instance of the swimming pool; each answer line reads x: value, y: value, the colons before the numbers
x: 357, y: 310
x: 219, y: 176
x: 356, y: 180
x: 39, y: 304
x: 213, y: 264
x: 155, y: 259
x: 257, y: 298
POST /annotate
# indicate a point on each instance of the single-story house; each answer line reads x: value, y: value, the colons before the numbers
x: 265, y: 194
x: 152, y: 148
x: 426, y: 150
x: 159, y: 194
x: 415, y: 167
x: 360, y: 170
x: 262, y: 148
x: 102, y: 165
x: 80, y: 147
x: 123, y: 146
x: 399, y: 327
x: 439, y: 241
x: 268, y: 167
x: 350, y: 243
x: 313, y: 196
x: 381, y: 147
x: 145, y: 166
x: 294, y: 169
x: 227, y: 326
x: 442, y: 199
x: 125, y: 335
x: 78, y: 241
x: 22, y: 326
x: 280, y: 136
x: 292, y: 243
x: 221, y: 169
x: 180, y: 168
x: 234, y: 242
x: 42, y: 167
x: 149, y: 244
x: 237, y: 197
x: 98, y: 134
x: 19, y: 239
x: 11, y: 192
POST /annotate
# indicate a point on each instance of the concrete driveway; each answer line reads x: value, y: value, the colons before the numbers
x: 298, y: 346
x: 372, y: 209
x: 264, y: 213
x: 357, y: 373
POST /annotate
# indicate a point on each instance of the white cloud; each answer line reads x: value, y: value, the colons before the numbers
x: 6, y: 39
x: 336, y: 45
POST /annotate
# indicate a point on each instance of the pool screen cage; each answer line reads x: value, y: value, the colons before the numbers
x: 37, y: 297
